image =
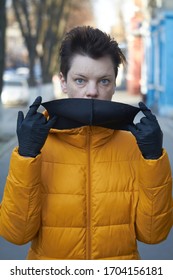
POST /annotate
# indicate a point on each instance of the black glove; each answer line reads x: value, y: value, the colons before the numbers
x: 148, y: 134
x: 32, y: 130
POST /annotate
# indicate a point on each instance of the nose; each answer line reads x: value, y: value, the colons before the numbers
x: 91, y: 90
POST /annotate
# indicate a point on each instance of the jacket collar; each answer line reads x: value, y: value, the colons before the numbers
x: 80, y: 137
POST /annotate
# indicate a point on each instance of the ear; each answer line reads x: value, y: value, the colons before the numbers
x: 63, y: 83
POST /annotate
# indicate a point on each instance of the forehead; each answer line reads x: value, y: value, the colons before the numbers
x: 85, y: 65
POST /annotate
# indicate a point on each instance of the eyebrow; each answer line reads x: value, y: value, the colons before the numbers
x: 102, y: 77
x: 76, y: 74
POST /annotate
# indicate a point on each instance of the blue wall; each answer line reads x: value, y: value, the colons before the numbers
x: 160, y: 64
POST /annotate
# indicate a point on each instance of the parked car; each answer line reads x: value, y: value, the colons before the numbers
x: 22, y: 72
x: 15, y: 91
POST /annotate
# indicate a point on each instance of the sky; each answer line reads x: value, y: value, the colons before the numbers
x: 107, y: 12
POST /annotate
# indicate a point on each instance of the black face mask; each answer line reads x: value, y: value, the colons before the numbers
x: 77, y: 112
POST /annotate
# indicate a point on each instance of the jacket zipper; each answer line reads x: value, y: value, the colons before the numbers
x: 88, y: 198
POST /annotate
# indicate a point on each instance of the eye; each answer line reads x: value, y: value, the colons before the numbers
x: 104, y: 82
x: 79, y: 81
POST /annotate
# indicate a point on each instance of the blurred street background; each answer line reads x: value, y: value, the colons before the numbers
x: 30, y: 35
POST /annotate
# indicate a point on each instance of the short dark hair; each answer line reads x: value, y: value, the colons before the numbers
x: 89, y: 41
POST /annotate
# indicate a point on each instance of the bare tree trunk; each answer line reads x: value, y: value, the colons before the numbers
x: 2, y: 40
x: 21, y: 9
x: 32, y: 59
x: 42, y: 24
x: 59, y: 11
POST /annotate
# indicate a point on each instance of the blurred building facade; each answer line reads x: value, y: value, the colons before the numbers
x: 150, y: 54
x: 156, y: 74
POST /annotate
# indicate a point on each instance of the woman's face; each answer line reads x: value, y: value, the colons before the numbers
x: 89, y: 78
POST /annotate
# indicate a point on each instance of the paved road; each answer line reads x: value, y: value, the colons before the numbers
x: 8, y: 140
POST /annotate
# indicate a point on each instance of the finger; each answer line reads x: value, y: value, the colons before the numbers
x: 20, y: 119
x: 146, y: 111
x: 132, y: 128
x: 33, y: 107
x: 39, y: 116
x: 51, y: 122
x: 140, y: 126
x: 143, y: 107
x: 39, y: 119
x: 144, y: 120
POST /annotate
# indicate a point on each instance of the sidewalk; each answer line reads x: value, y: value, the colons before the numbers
x: 6, y: 146
x: 124, y: 97
x: 7, y: 141
x: 166, y: 123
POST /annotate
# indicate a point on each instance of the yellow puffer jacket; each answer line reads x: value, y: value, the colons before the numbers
x: 88, y: 195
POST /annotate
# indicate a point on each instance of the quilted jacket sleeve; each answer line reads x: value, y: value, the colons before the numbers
x: 21, y: 203
x: 154, y: 211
